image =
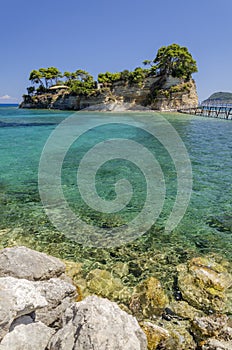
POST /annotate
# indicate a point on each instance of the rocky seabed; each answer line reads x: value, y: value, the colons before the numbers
x: 42, y: 309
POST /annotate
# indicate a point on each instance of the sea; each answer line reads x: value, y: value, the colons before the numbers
x: 187, y: 158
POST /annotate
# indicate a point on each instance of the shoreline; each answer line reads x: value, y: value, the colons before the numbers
x: 114, y: 108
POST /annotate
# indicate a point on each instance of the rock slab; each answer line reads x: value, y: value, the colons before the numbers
x: 98, y: 324
x: 22, y: 262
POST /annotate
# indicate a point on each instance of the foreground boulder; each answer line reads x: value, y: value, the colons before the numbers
x: 38, y: 309
x: 27, y: 337
x: 98, y: 324
x: 58, y: 294
x: 22, y: 262
x: 18, y: 297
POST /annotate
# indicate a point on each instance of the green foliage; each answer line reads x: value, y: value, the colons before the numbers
x: 147, y: 63
x: 125, y: 74
x: 170, y: 60
x: 69, y: 75
x: 108, y: 78
x: 82, y: 84
x: 137, y: 76
x: 49, y: 75
x: 184, y: 87
x: 174, y: 60
x: 36, y: 77
x: 41, y: 89
x: 31, y: 90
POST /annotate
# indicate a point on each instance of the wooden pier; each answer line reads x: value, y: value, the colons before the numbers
x: 210, y: 111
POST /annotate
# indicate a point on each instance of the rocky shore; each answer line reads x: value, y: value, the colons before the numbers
x: 45, y: 304
x: 156, y: 93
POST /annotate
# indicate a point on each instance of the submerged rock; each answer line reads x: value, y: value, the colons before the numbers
x: 102, y: 283
x: 98, y: 324
x: 215, y: 344
x: 180, y: 337
x: 209, y: 326
x: 148, y: 299
x: 204, y: 284
x: 212, y: 332
x: 222, y: 222
x: 22, y: 262
x: 185, y: 311
x: 156, y: 336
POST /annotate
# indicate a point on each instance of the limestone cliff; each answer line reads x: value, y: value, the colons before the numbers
x: 156, y: 93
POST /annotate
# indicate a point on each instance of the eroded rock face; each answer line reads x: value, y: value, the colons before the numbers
x: 172, y: 99
x: 154, y: 93
x: 22, y: 262
x: 204, y: 284
x: 212, y: 332
x: 98, y: 324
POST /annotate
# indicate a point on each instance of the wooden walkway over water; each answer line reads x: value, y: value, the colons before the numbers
x: 223, y: 111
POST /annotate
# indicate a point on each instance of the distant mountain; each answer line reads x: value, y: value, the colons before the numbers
x: 219, y: 97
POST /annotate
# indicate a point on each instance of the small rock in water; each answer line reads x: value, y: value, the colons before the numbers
x: 222, y: 223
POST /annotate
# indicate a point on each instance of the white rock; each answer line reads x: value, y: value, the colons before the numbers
x: 59, y: 294
x: 34, y: 336
x: 22, y: 262
x: 17, y: 297
x: 98, y: 325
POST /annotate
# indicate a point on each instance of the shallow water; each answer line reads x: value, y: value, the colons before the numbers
x: 23, y: 134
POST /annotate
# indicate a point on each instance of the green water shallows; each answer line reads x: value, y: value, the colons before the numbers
x: 23, y: 134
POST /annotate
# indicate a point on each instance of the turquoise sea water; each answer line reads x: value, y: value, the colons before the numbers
x: 23, y: 134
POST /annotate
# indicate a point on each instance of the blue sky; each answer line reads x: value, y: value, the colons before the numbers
x: 104, y: 35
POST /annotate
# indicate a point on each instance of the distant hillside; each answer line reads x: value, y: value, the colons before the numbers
x: 223, y: 97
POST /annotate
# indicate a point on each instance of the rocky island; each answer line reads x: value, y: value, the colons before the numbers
x: 167, y: 85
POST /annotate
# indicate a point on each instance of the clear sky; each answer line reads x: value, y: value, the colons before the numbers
x: 110, y: 35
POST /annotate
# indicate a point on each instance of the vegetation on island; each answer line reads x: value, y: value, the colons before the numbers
x: 172, y: 60
x: 223, y: 97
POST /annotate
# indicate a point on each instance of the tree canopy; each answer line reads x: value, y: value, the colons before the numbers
x: 174, y: 60
x: 80, y: 82
x: 170, y: 60
x: 45, y: 76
